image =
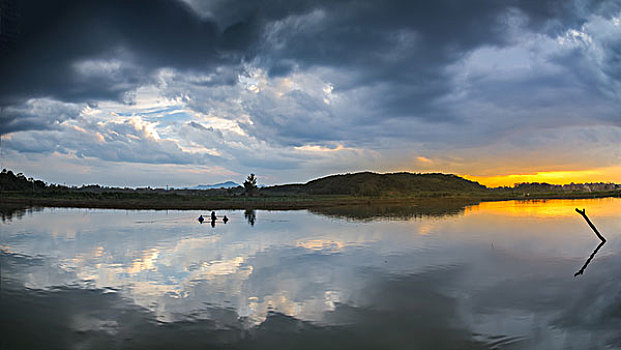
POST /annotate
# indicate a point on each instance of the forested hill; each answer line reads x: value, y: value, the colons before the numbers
x: 373, y: 184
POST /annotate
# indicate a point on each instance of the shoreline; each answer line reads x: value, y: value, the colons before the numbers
x: 162, y: 202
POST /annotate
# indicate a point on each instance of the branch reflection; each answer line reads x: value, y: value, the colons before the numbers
x: 581, y: 271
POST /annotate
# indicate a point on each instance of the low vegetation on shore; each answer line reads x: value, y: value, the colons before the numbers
x: 335, y: 190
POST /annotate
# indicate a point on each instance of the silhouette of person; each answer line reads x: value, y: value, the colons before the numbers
x: 213, y: 216
x: 225, y: 219
x: 201, y: 219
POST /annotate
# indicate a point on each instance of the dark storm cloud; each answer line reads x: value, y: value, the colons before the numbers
x: 56, y: 35
x: 398, y: 53
x: 357, y: 36
x: 403, y: 44
x: 394, y: 40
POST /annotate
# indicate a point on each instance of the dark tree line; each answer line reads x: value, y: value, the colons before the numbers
x: 10, y: 181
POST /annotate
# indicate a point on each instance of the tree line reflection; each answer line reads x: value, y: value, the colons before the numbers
x: 9, y: 212
x: 397, y: 211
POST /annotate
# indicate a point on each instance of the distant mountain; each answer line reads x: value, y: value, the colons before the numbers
x: 228, y: 184
x: 372, y: 184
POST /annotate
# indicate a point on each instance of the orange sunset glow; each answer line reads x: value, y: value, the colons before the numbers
x: 609, y: 174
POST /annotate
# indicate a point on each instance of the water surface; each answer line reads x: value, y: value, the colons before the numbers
x: 494, y: 275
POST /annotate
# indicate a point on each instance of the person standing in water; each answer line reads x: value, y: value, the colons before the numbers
x: 213, y: 216
x: 201, y: 219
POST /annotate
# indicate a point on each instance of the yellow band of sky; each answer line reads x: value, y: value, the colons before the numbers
x: 609, y: 174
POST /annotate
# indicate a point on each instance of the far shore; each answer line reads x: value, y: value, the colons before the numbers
x: 163, y: 202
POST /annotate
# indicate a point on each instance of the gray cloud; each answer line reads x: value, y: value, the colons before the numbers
x: 37, y: 114
x: 117, y: 142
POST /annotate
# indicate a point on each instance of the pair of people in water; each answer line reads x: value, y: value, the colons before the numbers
x: 213, y: 218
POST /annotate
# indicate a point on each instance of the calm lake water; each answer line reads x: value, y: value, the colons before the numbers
x: 498, y: 275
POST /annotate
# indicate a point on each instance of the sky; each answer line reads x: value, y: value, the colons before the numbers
x: 187, y: 92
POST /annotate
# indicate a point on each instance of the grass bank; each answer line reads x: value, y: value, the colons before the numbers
x: 198, y: 202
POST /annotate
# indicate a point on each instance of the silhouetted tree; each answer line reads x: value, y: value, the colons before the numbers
x: 250, y: 185
x: 18, y: 182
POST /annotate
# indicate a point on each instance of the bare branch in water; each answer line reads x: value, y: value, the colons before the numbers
x: 583, y: 213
